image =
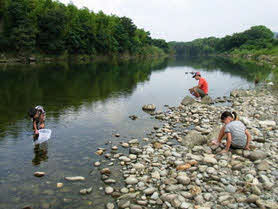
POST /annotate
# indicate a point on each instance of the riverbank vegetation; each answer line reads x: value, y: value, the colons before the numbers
x: 254, y: 39
x: 257, y: 44
x: 48, y: 27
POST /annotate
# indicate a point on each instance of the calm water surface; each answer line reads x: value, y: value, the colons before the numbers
x: 86, y: 105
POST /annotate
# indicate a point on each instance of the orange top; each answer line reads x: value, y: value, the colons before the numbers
x: 203, y: 84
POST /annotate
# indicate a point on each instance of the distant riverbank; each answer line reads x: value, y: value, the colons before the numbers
x: 42, y: 58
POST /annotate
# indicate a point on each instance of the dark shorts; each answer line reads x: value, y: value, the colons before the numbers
x: 201, y: 92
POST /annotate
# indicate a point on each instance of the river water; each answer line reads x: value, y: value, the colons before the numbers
x: 86, y: 105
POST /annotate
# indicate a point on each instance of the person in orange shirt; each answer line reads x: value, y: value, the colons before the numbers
x: 202, y: 89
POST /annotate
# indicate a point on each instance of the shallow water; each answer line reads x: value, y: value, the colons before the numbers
x: 86, y: 105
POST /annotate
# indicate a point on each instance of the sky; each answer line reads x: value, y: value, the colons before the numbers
x: 186, y: 20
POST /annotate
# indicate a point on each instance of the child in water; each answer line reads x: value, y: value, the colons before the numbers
x: 237, y: 135
x: 37, y: 115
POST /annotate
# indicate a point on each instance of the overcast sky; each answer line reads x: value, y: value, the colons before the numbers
x: 186, y: 20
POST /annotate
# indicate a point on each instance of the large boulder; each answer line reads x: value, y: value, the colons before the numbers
x: 213, y: 134
x: 257, y: 155
x: 188, y: 100
x: 207, y: 100
x: 194, y: 138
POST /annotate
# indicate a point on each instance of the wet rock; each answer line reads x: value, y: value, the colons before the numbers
x: 109, y: 190
x: 123, y: 203
x: 97, y: 164
x: 110, y: 205
x: 124, y: 190
x: 114, y: 148
x: 75, y: 178
x: 116, y: 194
x: 99, y: 152
x: 86, y: 191
x: 133, y: 141
x: 133, y: 117
x: 110, y: 181
x: 105, y: 171
x: 60, y: 185
x: 149, y: 107
x: 135, y: 150
x: 124, y: 158
x: 39, y: 174
x: 125, y: 145
x: 131, y: 180
x: 187, y: 101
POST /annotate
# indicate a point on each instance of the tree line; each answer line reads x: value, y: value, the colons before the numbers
x: 50, y: 27
x: 255, y: 38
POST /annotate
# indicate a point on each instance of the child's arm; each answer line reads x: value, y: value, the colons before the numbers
x: 42, y: 119
x: 248, y: 139
x: 220, y: 136
x: 229, y: 141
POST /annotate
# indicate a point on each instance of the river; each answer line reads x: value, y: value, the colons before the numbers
x: 86, y: 105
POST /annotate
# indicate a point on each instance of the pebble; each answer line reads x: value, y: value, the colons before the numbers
x: 60, y: 185
x: 110, y: 205
x: 125, y: 145
x: 124, y: 203
x: 109, y: 190
x: 75, y: 178
x: 131, y: 180
x: 39, y: 174
x: 97, y: 164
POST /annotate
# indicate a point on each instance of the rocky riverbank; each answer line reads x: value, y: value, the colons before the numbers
x: 176, y: 166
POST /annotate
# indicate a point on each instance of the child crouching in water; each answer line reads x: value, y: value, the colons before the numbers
x: 237, y: 135
x: 37, y: 115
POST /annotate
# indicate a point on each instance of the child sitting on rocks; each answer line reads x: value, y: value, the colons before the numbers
x: 237, y: 135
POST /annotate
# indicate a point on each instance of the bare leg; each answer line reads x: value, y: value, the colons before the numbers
x: 248, y: 140
x: 196, y: 94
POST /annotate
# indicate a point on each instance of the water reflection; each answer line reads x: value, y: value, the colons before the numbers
x: 62, y: 86
x: 40, y: 153
x: 248, y: 70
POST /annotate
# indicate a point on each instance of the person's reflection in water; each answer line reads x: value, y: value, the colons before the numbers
x: 40, y: 152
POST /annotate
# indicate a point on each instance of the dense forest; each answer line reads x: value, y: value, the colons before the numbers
x: 50, y: 27
x: 256, y: 38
